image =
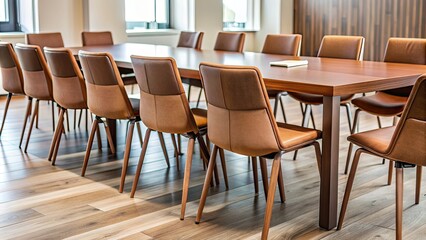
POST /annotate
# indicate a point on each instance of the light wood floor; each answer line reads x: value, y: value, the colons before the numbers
x: 40, y: 201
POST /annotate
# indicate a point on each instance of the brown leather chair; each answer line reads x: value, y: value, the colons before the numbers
x: 404, y: 144
x: 191, y: 40
x: 241, y: 120
x: 281, y: 44
x: 230, y: 41
x: 390, y: 103
x: 42, y: 40
x: 11, y: 74
x: 69, y: 91
x: 37, y: 81
x: 107, y: 98
x: 97, y: 38
x: 164, y: 108
x: 105, y: 38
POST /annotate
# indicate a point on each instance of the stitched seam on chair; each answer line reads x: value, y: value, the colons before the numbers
x: 229, y: 112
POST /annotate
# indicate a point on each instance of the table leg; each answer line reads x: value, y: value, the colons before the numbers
x: 112, y: 124
x: 330, y: 162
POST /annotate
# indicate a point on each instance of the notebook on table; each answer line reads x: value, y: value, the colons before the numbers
x: 289, y: 63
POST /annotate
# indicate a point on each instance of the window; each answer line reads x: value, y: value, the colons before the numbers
x: 241, y: 15
x: 147, y: 14
x: 8, y: 16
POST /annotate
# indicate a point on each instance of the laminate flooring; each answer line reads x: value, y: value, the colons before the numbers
x: 40, y: 201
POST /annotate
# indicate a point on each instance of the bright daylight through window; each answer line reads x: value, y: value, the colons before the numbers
x: 241, y: 15
x: 3, y: 13
x: 147, y: 14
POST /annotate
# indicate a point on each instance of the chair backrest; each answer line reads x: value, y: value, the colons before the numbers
x: 69, y: 90
x: 106, y: 95
x: 405, y: 50
x: 230, y: 41
x: 164, y: 106
x: 283, y: 44
x: 96, y: 38
x: 190, y: 39
x: 10, y: 69
x: 42, y: 40
x: 346, y: 47
x: 409, y: 140
x: 239, y: 114
x: 37, y: 77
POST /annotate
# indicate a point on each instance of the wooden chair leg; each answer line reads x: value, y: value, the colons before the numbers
x: 87, y: 119
x: 126, y: 155
x: 282, y: 107
x: 255, y: 174
x: 205, y: 155
x: 56, y: 148
x: 399, y: 200
x: 348, y: 189
x: 281, y: 185
x: 53, y: 117
x: 75, y: 118
x: 354, y: 125
x: 418, y: 183
x: 276, y: 165
x: 32, y: 124
x: 98, y: 136
x: 89, y: 146
x: 276, y: 106
x: 138, y: 128
x: 264, y: 171
x: 68, y: 120
x: 163, y: 146
x: 27, y: 115
x: 79, y: 117
x: 141, y: 159
x: 176, y: 151
x: 349, y: 115
x: 379, y: 122
x: 179, y: 142
x: 209, y: 175
x: 9, y: 97
x: 318, y: 155
x: 186, y: 177
x: 305, y: 122
x: 56, y: 135
x: 223, y: 163
x: 390, y: 170
x: 199, y: 98
x: 109, y: 138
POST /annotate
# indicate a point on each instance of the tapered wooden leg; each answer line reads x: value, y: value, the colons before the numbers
x: 98, y: 134
x: 318, y: 155
x: 32, y: 124
x: 68, y: 120
x: 399, y: 201
x: 141, y: 159
x: 205, y: 154
x: 53, y: 117
x: 418, y: 183
x: 163, y: 146
x: 186, y: 177
x: 9, y: 97
x: 89, y: 146
x: 79, y: 117
x: 58, y: 141
x: 176, y: 151
x: 348, y: 189
x: 354, y: 125
x: 27, y: 115
x: 138, y: 128
x: 75, y: 118
x: 264, y: 171
x: 390, y: 170
x: 126, y: 155
x: 276, y: 106
x: 349, y: 114
x: 55, y: 135
x: 305, y: 122
x: 87, y: 119
x: 209, y: 175
x: 255, y: 174
x: 281, y: 185
x: 282, y: 108
x: 109, y: 137
x: 179, y: 142
x: 223, y: 163
x: 276, y: 165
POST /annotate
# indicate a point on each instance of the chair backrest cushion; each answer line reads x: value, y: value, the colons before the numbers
x: 283, y: 44
x: 230, y: 41
x: 239, y: 114
x: 96, y: 38
x: 42, y: 40
x: 69, y: 89
x: 190, y: 39
x: 106, y: 95
x: 10, y: 69
x: 345, y: 47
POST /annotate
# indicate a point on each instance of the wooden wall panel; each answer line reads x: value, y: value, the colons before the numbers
x: 376, y: 20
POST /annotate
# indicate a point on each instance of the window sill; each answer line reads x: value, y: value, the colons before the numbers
x: 152, y: 32
x: 11, y: 34
x: 239, y: 30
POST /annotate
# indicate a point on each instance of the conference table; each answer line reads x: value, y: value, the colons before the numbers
x: 329, y: 77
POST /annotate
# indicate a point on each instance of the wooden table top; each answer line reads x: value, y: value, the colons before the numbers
x: 324, y: 76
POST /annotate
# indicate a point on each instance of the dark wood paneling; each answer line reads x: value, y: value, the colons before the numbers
x: 376, y: 20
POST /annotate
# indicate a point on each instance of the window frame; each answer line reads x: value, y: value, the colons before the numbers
x: 142, y: 25
x: 253, y: 18
x: 12, y: 25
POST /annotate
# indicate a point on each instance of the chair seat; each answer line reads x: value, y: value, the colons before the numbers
x: 293, y: 135
x: 135, y: 105
x: 381, y: 103
x: 315, y: 99
x: 273, y: 93
x: 376, y: 141
x: 200, y: 116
